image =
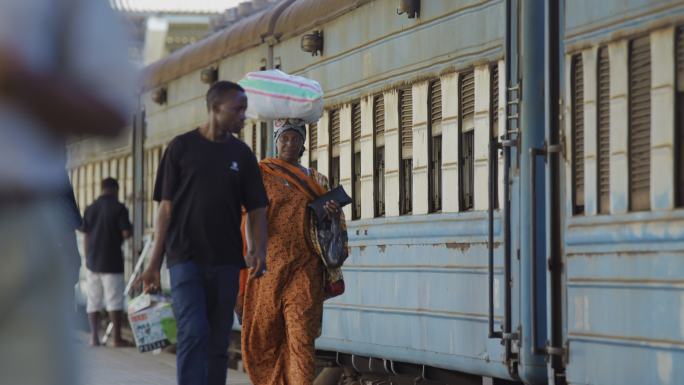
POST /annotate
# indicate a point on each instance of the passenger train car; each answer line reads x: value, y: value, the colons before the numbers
x: 516, y: 169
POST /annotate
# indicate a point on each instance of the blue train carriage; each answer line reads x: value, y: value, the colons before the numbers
x: 411, y: 105
x: 623, y: 226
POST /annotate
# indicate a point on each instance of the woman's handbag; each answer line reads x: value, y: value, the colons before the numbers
x: 329, y: 236
x: 334, y: 283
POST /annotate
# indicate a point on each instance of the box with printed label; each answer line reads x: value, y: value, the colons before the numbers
x: 152, y: 322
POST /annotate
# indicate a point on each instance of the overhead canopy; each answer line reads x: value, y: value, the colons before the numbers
x: 244, y: 34
x: 174, y: 6
x: 287, y: 18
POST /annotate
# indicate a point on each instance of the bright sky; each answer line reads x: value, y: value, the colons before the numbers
x: 176, y: 5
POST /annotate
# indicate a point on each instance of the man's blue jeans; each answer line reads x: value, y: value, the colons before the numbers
x: 203, y: 303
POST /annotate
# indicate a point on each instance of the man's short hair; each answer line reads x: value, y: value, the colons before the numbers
x: 219, y: 90
x: 109, y: 184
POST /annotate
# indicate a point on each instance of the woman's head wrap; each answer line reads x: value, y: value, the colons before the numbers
x: 282, y: 125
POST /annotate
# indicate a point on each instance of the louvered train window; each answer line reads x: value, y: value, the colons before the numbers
x: 639, y: 123
x: 356, y: 160
x: 494, y: 129
x: 679, y: 132
x: 578, y: 133
x: 603, y: 95
x: 334, y: 125
x: 406, y: 150
x: 466, y: 142
x: 313, y: 145
x: 379, y: 154
x: 435, y: 146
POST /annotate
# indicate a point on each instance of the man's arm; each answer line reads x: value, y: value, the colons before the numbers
x: 150, y: 277
x: 126, y: 234
x: 257, y: 238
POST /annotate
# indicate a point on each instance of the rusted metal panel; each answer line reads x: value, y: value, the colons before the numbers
x: 404, y: 276
x: 624, y: 291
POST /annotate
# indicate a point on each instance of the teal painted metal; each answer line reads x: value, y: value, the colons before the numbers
x: 624, y: 272
x: 532, y: 368
x: 417, y: 292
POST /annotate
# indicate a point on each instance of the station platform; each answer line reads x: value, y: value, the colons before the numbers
x: 126, y: 366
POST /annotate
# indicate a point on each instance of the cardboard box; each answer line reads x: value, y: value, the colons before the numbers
x: 152, y: 322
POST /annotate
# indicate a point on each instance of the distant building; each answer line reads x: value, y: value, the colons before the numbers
x: 160, y: 27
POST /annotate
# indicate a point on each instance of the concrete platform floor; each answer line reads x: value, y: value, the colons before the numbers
x: 126, y: 366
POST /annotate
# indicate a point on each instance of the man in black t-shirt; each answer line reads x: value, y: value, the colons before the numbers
x: 205, y: 178
x: 105, y: 226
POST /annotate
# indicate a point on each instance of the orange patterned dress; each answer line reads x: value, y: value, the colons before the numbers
x: 282, y: 310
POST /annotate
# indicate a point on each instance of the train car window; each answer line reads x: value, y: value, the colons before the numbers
x: 264, y: 139
x: 494, y: 122
x: 313, y: 145
x: 356, y: 160
x: 679, y: 131
x: 639, y: 123
x: 467, y: 137
x: 379, y: 181
x: 578, y: 134
x: 435, y: 146
x: 379, y: 154
x: 467, y: 171
x: 406, y: 149
x: 334, y: 125
x: 603, y: 124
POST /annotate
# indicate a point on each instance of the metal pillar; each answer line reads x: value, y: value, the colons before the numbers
x: 532, y: 234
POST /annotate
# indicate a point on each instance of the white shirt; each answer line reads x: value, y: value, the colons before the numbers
x: 80, y: 39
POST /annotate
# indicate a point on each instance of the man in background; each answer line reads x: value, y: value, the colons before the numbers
x: 105, y: 226
x: 63, y: 71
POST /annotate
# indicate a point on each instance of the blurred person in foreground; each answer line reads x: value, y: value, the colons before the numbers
x: 105, y: 226
x: 282, y: 311
x: 204, y: 178
x: 63, y: 71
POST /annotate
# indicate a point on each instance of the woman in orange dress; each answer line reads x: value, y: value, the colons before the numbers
x: 282, y: 310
